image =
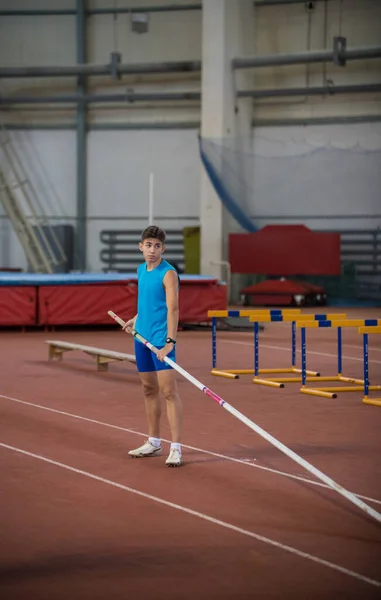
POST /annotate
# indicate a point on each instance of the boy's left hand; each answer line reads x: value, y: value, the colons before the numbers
x: 164, y: 352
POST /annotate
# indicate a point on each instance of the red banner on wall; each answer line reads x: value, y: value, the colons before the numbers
x: 285, y: 250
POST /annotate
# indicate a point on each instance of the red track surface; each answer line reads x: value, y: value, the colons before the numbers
x: 67, y: 531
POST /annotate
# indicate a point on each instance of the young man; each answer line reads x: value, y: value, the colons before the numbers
x: 157, y: 321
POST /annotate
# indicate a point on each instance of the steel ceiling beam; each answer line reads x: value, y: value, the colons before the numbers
x: 302, y: 58
x: 100, y: 11
x: 184, y: 66
x: 192, y: 96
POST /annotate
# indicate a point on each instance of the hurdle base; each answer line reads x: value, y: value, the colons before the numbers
x: 351, y: 380
x: 372, y: 401
x: 237, y: 371
x: 271, y: 371
x: 225, y: 374
x: 317, y: 392
x: 311, y: 373
x: 341, y: 378
x: 293, y: 379
x: 268, y: 383
x: 353, y: 388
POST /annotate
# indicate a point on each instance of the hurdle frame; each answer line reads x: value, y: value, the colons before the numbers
x: 356, y: 385
x: 257, y: 316
x: 310, y: 375
x: 365, y: 331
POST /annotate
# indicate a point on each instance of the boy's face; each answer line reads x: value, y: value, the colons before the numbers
x: 152, y: 249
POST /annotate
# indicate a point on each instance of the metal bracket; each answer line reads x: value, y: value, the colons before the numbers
x: 115, y: 60
x: 339, y: 50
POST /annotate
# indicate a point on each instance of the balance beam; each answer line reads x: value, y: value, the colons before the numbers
x: 103, y: 356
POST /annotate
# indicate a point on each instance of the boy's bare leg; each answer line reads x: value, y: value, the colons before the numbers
x: 168, y: 387
x: 152, y: 402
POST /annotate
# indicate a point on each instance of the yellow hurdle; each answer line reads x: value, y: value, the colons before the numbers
x: 365, y: 331
x: 338, y: 322
x: 263, y: 315
x: 280, y: 381
x: 220, y: 314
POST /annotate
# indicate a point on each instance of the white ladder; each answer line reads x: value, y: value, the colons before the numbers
x: 43, y: 254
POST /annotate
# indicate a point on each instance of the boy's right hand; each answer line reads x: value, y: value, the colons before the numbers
x: 129, y: 325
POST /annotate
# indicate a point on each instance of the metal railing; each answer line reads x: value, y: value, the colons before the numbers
x: 121, y: 252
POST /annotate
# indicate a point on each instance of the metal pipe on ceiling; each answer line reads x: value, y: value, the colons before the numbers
x: 335, y: 120
x: 100, y: 11
x: 130, y: 97
x: 280, y: 2
x: 106, y: 126
x: 133, y: 9
x: 121, y: 126
x: 59, y: 12
x: 189, y: 66
x: 97, y: 70
x: 126, y: 97
x: 301, y: 58
x: 327, y: 90
x: 144, y: 9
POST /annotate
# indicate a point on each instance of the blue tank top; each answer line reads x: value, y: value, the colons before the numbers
x: 152, y: 308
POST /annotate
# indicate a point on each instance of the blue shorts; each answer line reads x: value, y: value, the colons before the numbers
x: 146, y: 360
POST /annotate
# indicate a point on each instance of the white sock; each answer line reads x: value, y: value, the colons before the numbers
x: 176, y: 446
x: 155, y: 441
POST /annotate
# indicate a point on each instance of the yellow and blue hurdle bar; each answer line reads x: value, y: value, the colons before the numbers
x: 365, y: 331
x: 293, y: 318
x: 356, y: 384
x: 265, y: 316
x: 260, y: 315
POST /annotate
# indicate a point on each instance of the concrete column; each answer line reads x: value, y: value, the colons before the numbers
x: 227, y: 31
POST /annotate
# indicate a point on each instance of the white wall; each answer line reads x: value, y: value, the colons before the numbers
x: 45, y: 162
x: 36, y: 41
x: 326, y: 177
x: 295, y: 174
x: 119, y: 162
x: 51, y: 40
x: 119, y: 167
x: 291, y: 29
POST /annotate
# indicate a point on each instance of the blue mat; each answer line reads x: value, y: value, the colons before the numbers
x: 80, y: 278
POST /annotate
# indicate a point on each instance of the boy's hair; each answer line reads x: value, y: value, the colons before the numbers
x: 154, y: 232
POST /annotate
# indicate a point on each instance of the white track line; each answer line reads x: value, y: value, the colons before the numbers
x: 378, y: 362
x: 199, y: 515
x: 216, y: 454
x: 371, y: 349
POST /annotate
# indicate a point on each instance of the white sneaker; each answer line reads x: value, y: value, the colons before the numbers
x: 174, y: 459
x: 147, y: 449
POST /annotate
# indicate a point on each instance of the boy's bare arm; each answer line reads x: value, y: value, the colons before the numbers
x: 171, y: 284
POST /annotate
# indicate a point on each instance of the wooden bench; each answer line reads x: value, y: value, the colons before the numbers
x: 103, y: 357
